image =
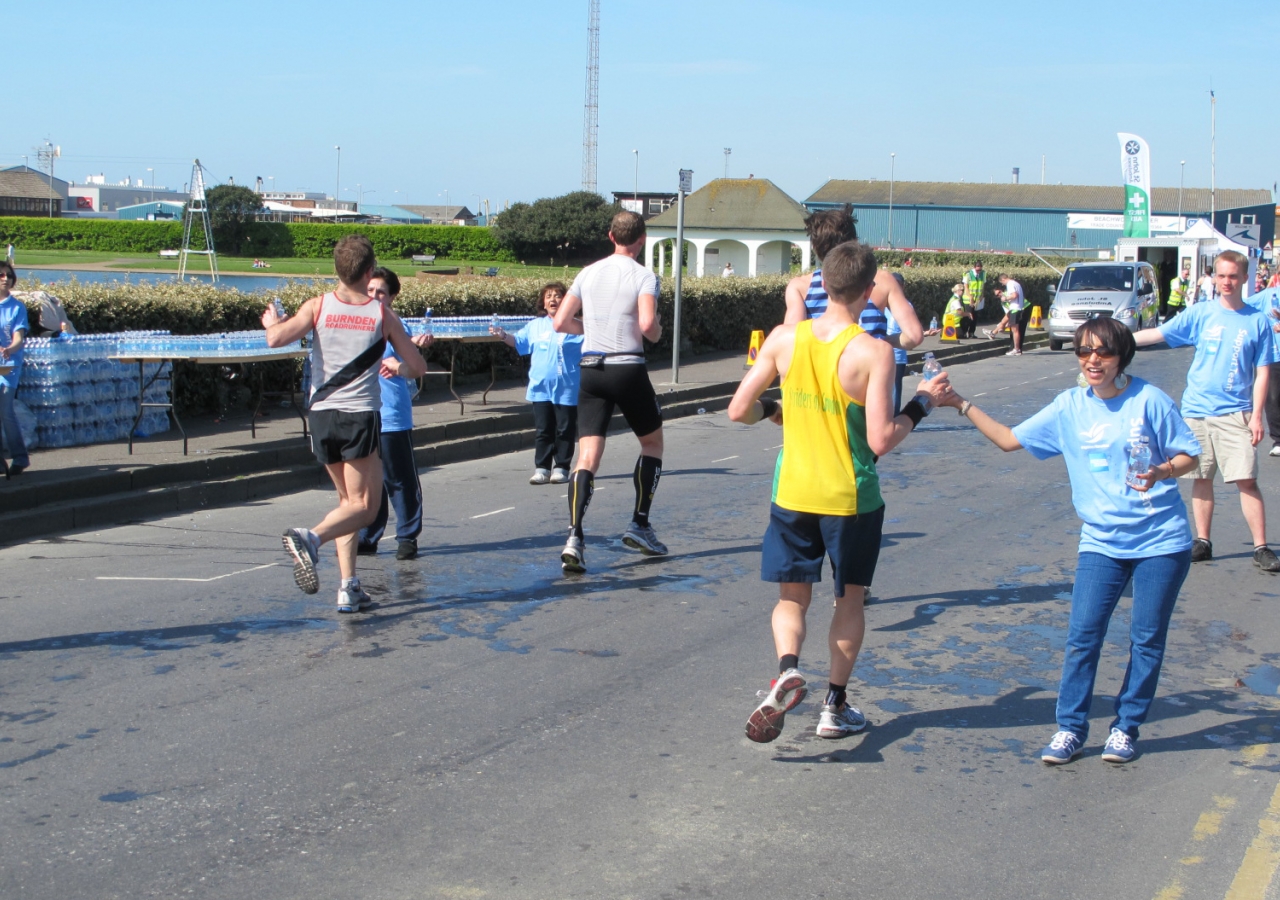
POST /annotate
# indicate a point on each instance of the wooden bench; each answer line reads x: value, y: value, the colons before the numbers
x: 422, y: 259
x: 170, y: 254
x: 490, y: 272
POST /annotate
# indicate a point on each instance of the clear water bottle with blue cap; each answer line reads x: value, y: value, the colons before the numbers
x: 932, y: 368
x: 1139, y: 463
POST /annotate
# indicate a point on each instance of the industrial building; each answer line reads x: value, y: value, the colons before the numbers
x: 27, y: 192
x: 160, y: 211
x: 936, y: 215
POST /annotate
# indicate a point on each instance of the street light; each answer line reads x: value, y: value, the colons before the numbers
x: 337, y: 180
x: 635, y: 194
x: 1181, y: 172
x: 892, y: 160
x: 446, y: 202
x: 153, y: 182
x: 727, y: 151
x: 272, y: 186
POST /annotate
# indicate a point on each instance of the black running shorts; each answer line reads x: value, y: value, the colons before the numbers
x: 338, y: 436
x: 625, y: 386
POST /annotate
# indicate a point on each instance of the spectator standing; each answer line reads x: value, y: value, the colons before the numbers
x: 349, y: 333
x: 13, y: 334
x: 1132, y: 530
x: 1015, y: 314
x: 1268, y: 303
x: 728, y: 270
x: 975, y: 284
x: 1179, y: 287
x: 401, y: 486
x: 554, y: 377
x: 1227, y: 387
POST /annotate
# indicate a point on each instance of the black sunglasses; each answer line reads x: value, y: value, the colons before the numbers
x: 1103, y: 351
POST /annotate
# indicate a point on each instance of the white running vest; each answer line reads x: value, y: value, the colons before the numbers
x: 342, y: 332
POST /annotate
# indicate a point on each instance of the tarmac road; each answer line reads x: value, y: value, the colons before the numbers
x: 176, y: 719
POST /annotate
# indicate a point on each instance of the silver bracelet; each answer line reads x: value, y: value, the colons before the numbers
x: 964, y: 408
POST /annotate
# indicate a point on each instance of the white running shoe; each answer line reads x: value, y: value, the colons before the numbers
x: 540, y: 476
x: 840, y: 722
x: 299, y: 545
x: 559, y: 476
x: 352, y: 598
x: 644, y: 539
x: 573, y: 558
x: 1014, y: 353
x: 787, y: 690
x: 1275, y: 450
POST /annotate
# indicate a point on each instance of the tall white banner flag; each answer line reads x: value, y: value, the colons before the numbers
x: 1135, y: 165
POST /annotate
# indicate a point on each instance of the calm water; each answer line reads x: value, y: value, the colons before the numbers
x: 246, y: 283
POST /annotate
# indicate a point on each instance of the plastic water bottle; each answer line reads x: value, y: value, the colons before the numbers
x: 1139, y: 463
x: 428, y: 321
x: 278, y: 306
x: 933, y: 324
x: 932, y: 368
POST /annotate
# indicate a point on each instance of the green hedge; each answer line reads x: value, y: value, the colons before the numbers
x: 267, y: 239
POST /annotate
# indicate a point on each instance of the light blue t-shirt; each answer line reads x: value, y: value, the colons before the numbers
x: 397, y: 399
x: 554, y: 364
x: 13, y: 317
x: 1230, y: 345
x: 1264, y: 302
x: 1094, y: 436
x: 899, y: 355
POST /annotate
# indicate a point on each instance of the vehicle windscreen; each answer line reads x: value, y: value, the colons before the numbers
x: 1098, y: 278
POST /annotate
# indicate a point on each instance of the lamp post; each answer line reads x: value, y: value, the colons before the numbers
x: 727, y: 151
x: 635, y: 193
x: 892, y: 160
x: 337, y: 180
x: 271, y: 187
x: 152, y: 172
x: 1181, y: 172
x: 446, y: 202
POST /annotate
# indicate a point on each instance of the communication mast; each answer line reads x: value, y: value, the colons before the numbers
x: 591, y: 120
x: 197, y: 206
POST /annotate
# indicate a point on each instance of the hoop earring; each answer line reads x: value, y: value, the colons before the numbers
x: 1122, y: 381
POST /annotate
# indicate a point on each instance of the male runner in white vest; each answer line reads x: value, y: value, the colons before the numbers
x: 349, y: 332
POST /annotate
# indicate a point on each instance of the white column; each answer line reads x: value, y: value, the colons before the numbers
x: 700, y: 245
x: 649, y: 241
x: 662, y: 258
x: 807, y: 249
x: 753, y: 250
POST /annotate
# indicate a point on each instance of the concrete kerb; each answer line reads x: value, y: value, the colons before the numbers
x: 284, y: 466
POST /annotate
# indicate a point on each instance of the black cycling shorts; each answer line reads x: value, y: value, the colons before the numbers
x: 625, y: 386
x: 338, y: 436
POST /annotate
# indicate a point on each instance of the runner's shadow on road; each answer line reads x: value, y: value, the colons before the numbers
x: 934, y: 605
x: 1018, y: 709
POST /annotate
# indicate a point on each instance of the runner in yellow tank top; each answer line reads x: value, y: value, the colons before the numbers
x: 836, y: 417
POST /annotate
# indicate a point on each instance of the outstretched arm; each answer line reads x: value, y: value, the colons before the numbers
x: 746, y: 406
x: 1148, y: 337
x: 412, y: 364
x: 1000, y: 435
x: 565, y: 321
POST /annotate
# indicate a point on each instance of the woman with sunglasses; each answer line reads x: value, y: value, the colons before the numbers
x: 1132, y: 529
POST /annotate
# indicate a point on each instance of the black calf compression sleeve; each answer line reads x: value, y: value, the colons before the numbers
x: 581, y: 486
x: 648, y: 471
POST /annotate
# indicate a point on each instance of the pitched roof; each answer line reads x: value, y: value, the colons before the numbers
x: 755, y: 204
x: 388, y: 212
x: 439, y: 213
x: 22, y: 181
x: 1081, y: 197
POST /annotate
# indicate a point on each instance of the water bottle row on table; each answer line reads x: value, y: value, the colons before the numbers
x: 154, y: 421
x: 231, y: 344
x: 463, y: 326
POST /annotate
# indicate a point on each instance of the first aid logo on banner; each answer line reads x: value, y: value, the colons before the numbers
x: 1135, y: 168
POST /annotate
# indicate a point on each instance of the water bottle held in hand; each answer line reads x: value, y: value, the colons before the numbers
x: 1139, y: 463
x: 933, y: 324
x: 278, y: 306
x: 932, y: 368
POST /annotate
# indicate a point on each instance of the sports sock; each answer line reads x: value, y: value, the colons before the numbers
x: 790, y: 661
x: 648, y: 471
x: 581, y: 485
x: 835, y: 695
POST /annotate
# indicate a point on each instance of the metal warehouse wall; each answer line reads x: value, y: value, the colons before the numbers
x: 974, y: 229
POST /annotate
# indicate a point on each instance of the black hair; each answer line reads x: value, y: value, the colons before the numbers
x: 391, y: 278
x: 1112, y: 333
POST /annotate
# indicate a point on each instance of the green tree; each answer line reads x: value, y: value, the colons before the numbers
x: 570, y: 228
x: 232, y: 210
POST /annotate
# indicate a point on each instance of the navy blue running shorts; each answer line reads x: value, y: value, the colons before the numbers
x: 796, y: 542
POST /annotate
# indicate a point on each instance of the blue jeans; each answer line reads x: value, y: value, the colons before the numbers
x: 400, y: 489
x: 1099, y: 582
x: 9, y: 426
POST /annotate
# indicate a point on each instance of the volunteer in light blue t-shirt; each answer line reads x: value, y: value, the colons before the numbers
x: 1227, y: 387
x: 401, y: 486
x: 13, y: 333
x: 1268, y: 303
x: 1134, y: 525
x: 554, y: 375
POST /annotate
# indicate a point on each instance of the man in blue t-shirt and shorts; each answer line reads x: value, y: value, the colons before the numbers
x: 618, y: 299
x: 1224, y: 400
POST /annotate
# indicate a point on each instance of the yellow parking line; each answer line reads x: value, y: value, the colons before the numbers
x: 1261, y: 859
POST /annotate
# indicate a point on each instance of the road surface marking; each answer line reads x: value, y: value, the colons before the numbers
x: 494, y: 513
x: 1260, y: 860
x: 200, y: 580
x: 983, y: 394
x: 725, y: 459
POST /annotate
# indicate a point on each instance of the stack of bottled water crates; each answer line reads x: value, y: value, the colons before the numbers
x: 81, y: 396
x: 453, y: 327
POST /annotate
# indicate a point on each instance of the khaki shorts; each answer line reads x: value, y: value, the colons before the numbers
x: 1226, y: 444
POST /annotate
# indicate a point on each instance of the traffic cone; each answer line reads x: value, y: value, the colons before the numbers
x: 950, y: 328
x: 1036, y: 321
x: 757, y: 338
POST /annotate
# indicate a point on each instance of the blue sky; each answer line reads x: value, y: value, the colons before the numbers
x: 485, y: 98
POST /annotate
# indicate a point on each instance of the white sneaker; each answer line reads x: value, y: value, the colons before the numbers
x: 540, y: 476
x: 559, y: 476
x: 786, y: 691
x: 1275, y: 450
x: 1014, y: 353
x: 644, y: 539
x: 352, y: 598
x: 573, y: 559
x: 838, y: 723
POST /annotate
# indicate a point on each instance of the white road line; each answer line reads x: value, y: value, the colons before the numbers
x: 725, y: 459
x: 983, y: 394
x: 779, y: 447
x: 494, y: 513
x: 199, y: 580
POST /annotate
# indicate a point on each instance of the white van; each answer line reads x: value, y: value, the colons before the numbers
x: 1123, y: 290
